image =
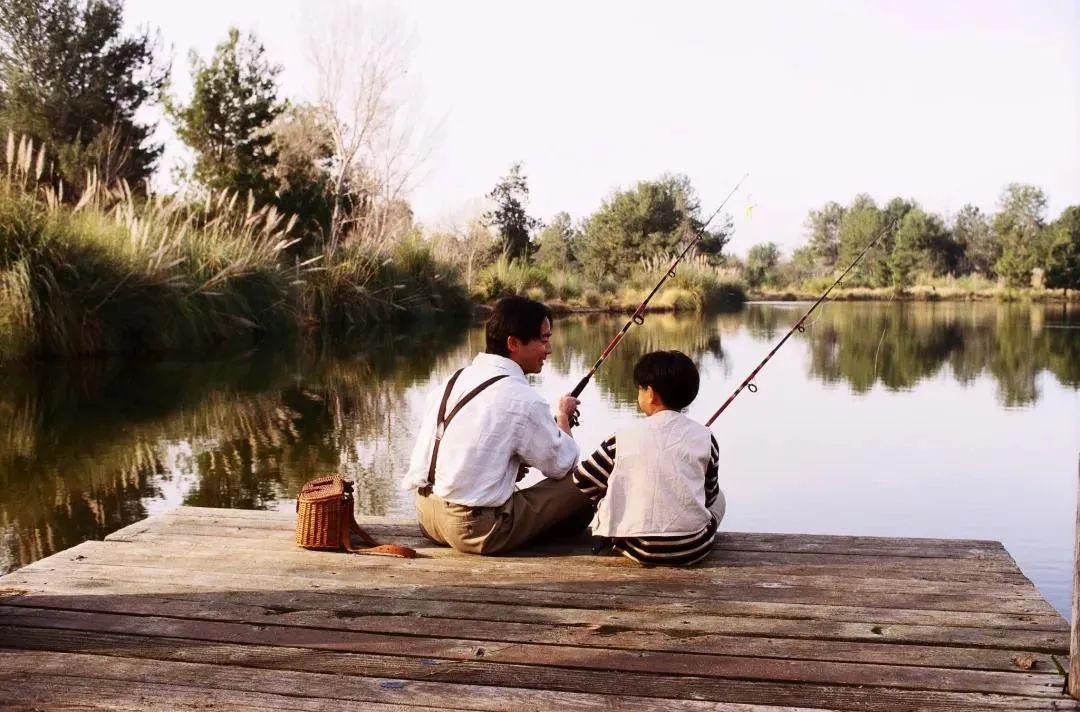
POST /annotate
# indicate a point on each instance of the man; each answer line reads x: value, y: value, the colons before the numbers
x: 481, y: 429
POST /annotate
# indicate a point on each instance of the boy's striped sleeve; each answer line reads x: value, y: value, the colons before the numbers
x: 591, y: 475
x: 712, y: 474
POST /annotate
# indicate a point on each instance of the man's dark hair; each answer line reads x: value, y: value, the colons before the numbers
x: 514, y: 316
x: 671, y: 374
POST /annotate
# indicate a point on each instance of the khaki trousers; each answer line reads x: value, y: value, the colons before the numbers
x: 546, y: 510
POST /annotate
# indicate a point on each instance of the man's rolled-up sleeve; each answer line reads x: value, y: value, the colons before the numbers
x: 543, y: 446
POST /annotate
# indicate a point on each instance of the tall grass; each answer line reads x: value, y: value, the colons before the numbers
x: 697, y: 285
x: 112, y: 275
x: 117, y: 274
x: 506, y: 276
x: 358, y: 285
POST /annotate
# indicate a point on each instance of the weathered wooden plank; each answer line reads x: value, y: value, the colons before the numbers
x: 375, y: 694
x: 997, y: 560
x: 327, y: 610
x: 288, y: 516
x: 677, y: 583
x: 616, y: 594
x: 35, y: 691
x: 285, y: 558
x: 201, y: 536
x: 718, y: 666
x: 282, y: 524
x: 315, y: 609
x: 504, y: 676
x: 422, y: 600
x: 317, y: 565
x: 372, y: 610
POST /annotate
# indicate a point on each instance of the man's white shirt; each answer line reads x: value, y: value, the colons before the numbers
x: 484, y: 445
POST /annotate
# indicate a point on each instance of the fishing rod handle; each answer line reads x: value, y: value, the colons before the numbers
x: 581, y: 385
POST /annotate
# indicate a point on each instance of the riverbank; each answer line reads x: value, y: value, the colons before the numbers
x: 119, y: 275
x: 922, y: 293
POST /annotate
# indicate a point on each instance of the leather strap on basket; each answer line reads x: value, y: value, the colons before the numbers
x: 444, y: 420
x: 349, y: 527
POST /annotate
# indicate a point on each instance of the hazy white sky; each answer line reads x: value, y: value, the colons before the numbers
x: 943, y: 102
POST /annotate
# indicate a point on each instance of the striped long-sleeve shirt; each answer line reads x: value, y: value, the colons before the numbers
x: 591, y: 477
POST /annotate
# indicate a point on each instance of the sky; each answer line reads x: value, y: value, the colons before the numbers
x: 941, y: 102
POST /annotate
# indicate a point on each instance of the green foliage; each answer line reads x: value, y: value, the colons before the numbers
x: 761, y: 264
x: 1063, y: 268
x: 70, y: 79
x: 511, y: 195
x: 802, y: 266
x: 358, y: 286
x: 698, y: 284
x: 303, y: 150
x: 922, y: 243
x: 859, y: 225
x: 555, y: 243
x: 233, y: 104
x: 1018, y: 226
x: 566, y: 285
x: 510, y: 276
x: 139, y: 278
x: 976, y: 242
x: 116, y: 274
x: 651, y: 219
x: 824, y: 228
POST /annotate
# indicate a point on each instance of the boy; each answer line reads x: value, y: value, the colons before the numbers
x: 659, y: 501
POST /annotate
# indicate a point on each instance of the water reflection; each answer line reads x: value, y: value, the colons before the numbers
x: 582, y: 340
x: 85, y: 450
x: 900, y: 345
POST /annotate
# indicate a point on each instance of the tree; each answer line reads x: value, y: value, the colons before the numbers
x: 761, y: 264
x: 921, y: 243
x: 1063, y: 265
x: 824, y: 228
x: 802, y: 266
x: 303, y: 151
x: 70, y: 80
x: 233, y: 104
x: 466, y: 241
x: 976, y: 241
x: 860, y: 224
x: 653, y: 218
x: 555, y: 243
x: 508, y: 217
x: 361, y: 60
x: 1018, y: 226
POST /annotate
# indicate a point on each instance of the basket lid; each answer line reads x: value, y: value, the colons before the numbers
x: 323, y: 488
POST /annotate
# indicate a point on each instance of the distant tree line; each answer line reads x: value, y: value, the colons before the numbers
x: 1008, y: 245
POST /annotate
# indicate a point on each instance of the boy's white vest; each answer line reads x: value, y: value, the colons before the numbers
x: 658, y: 484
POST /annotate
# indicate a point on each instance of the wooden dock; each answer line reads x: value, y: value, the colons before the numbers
x: 217, y: 609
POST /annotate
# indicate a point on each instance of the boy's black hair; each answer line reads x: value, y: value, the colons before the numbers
x: 671, y: 374
x: 514, y: 316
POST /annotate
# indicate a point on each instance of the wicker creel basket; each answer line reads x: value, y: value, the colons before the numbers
x: 324, y: 520
x: 324, y: 509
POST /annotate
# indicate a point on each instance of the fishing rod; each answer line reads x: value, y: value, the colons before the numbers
x: 748, y: 383
x: 638, y: 317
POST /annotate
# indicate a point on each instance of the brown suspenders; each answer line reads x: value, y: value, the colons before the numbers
x: 444, y: 420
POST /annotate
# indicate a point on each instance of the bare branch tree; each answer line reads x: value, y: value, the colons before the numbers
x: 361, y: 54
x: 464, y: 239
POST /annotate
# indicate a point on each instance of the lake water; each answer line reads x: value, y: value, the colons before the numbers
x: 892, y: 419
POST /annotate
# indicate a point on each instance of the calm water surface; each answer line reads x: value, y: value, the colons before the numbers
x: 932, y: 420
